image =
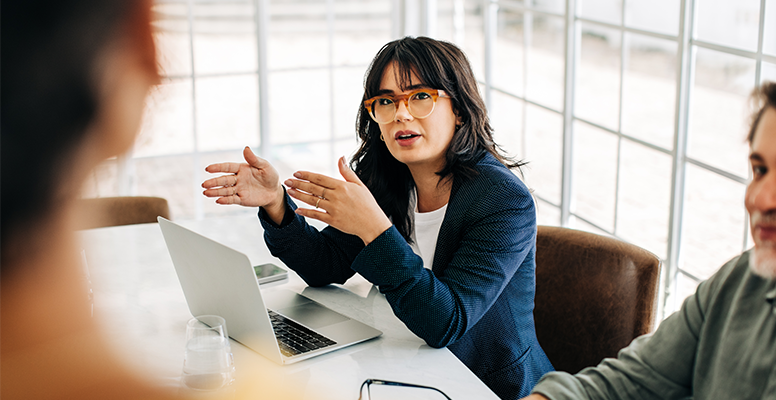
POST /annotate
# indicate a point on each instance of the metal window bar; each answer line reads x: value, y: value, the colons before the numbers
x: 195, y: 160
x: 626, y: 136
x: 688, y: 274
x: 528, y: 6
x: 397, y: 27
x: 490, y: 26
x: 254, y: 72
x: 459, y: 21
x: 572, y: 57
x: 760, y: 40
x: 429, y: 21
x: 261, y: 12
x: 627, y: 28
x: 623, y: 63
x: 527, y: 43
x: 685, y: 71
x: 523, y: 98
x: 758, y: 56
x: 332, y: 105
x: 552, y: 203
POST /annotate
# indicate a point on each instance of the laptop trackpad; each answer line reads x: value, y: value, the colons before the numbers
x: 313, y: 315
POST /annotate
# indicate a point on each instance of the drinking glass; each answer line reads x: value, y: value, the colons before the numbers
x: 87, y: 282
x: 208, y: 363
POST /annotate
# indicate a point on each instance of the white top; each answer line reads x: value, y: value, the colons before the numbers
x: 425, y: 231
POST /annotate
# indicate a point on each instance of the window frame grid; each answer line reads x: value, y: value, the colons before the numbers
x: 687, y: 46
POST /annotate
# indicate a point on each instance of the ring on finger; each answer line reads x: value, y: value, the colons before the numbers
x: 316, y: 202
x: 323, y: 194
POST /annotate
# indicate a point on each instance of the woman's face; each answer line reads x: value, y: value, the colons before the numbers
x: 418, y: 143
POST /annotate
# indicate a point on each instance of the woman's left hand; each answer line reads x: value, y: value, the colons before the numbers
x: 349, y: 206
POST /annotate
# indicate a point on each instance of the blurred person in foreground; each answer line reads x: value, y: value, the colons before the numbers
x: 75, y: 75
x: 722, y: 343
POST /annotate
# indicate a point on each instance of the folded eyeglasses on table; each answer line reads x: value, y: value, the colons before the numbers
x: 378, y: 389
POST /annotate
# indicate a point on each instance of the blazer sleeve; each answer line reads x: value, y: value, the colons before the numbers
x: 319, y: 257
x: 497, y: 234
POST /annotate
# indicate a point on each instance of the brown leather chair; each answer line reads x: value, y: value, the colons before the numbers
x: 113, y: 211
x: 594, y: 295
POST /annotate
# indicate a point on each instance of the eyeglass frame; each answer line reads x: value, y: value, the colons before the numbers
x: 434, y: 93
x: 368, y: 382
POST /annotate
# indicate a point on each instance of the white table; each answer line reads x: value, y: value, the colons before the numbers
x: 140, y: 305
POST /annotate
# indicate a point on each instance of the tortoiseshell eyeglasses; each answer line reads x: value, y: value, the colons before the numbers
x: 420, y: 104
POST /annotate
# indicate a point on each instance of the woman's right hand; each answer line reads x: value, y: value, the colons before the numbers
x: 255, y: 184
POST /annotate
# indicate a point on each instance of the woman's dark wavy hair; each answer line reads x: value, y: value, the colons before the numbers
x: 439, y: 65
x: 51, y: 58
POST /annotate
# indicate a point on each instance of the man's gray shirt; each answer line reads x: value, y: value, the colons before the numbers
x: 720, y: 345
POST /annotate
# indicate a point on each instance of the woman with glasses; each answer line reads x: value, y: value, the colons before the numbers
x: 429, y: 211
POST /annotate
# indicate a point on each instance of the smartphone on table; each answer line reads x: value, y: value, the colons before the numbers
x: 269, y: 272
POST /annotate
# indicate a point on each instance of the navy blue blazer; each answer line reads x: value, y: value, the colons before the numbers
x: 478, y: 300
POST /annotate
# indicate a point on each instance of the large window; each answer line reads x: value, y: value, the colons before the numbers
x: 283, y: 77
x: 631, y: 113
x: 633, y: 116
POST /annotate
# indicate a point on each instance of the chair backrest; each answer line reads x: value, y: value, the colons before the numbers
x: 113, y: 211
x: 594, y: 295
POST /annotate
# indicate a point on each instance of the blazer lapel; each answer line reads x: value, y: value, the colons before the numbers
x: 450, y: 231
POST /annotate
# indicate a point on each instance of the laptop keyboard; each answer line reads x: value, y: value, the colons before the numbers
x: 295, y: 339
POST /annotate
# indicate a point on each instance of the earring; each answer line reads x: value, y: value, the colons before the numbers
x: 381, y: 137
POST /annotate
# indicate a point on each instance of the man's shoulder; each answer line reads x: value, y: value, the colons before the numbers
x: 722, y: 287
x: 736, y: 269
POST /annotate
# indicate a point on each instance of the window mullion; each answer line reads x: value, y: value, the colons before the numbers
x: 490, y: 28
x: 261, y: 15
x: 195, y: 162
x: 685, y: 72
x: 572, y: 44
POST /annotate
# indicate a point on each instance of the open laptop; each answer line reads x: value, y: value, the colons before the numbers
x: 281, y: 325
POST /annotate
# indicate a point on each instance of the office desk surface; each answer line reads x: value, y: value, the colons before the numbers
x: 139, y: 303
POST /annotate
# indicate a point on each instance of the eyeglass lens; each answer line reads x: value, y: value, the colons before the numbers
x: 420, y: 105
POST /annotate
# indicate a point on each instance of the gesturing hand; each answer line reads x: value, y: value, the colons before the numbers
x: 348, y: 206
x: 255, y: 184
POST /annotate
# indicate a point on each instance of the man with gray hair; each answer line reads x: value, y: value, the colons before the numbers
x: 722, y: 343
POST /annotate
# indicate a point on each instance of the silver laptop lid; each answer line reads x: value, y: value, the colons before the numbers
x: 219, y: 280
